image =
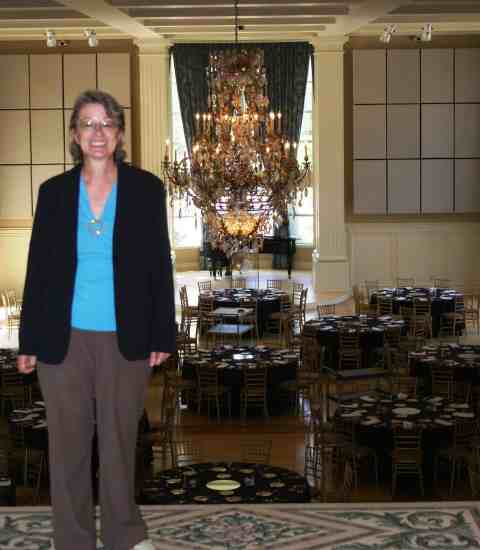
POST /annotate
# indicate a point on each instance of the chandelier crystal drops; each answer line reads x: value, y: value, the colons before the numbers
x: 242, y: 173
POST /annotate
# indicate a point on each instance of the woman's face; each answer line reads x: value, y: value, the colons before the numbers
x: 96, y: 133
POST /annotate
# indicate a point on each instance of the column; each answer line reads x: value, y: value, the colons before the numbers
x: 155, y: 109
x: 330, y: 261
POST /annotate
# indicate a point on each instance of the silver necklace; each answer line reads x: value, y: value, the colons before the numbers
x: 95, y: 227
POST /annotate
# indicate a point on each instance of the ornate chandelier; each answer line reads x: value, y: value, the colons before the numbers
x: 242, y: 172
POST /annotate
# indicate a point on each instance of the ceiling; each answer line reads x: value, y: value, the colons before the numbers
x: 188, y: 20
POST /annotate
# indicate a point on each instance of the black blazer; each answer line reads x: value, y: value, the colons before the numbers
x: 144, y: 295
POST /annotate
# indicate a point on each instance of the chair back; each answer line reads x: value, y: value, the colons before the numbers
x: 204, y: 285
x: 255, y: 382
x: 183, y: 298
x: 371, y: 287
x: 348, y: 339
x: 407, y: 448
x: 309, y: 353
x: 405, y: 281
x: 325, y: 309
x: 285, y: 303
x: 274, y: 283
x: 393, y: 336
x: 187, y: 452
x: 405, y: 384
x: 297, y: 289
x: 441, y: 282
x: 256, y: 451
x: 207, y: 377
x: 239, y: 282
x: 384, y: 305
x: 442, y: 381
x: 465, y: 433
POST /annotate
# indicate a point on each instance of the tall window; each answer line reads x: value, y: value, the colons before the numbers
x: 187, y: 224
x: 301, y: 216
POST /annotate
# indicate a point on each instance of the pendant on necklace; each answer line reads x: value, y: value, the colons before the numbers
x: 95, y: 227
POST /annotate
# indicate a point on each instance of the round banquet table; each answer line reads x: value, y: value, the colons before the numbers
x: 375, y: 417
x: 442, y: 300
x: 465, y: 360
x: 231, y: 360
x: 372, y: 330
x: 268, y: 301
x: 258, y: 484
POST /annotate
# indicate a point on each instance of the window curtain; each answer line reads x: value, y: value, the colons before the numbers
x: 287, y: 70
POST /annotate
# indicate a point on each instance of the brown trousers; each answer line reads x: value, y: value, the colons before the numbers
x: 94, y: 386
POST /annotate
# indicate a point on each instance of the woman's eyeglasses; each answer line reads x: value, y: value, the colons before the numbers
x: 89, y: 125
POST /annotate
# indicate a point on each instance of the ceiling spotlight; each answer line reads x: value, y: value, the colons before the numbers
x: 386, y: 35
x: 51, y: 39
x: 426, y: 35
x: 91, y: 37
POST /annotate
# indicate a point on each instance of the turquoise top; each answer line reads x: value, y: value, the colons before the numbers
x: 93, y: 305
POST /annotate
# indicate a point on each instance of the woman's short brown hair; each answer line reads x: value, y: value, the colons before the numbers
x: 113, y: 109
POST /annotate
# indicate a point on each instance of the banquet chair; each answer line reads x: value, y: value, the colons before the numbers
x: 187, y: 452
x: 465, y: 434
x: 12, y: 310
x: 161, y: 436
x: 33, y: 461
x: 298, y: 310
x: 423, y: 309
x: 257, y: 451
x: 239, y: 282
x: 384, y: 305
x: 418, y: 329
x: 204, y: 285
x: 346, y: 432
x: 349, y: 350
x: 274, y: 283
x: 371, y: 287
x: 361, y: 302
x: 254, y: 390
x: 278, y: 321
x: 206, y: 319
x: 442, y: 378
x: 325, y: 309
x: 173, y: 381
x: 305, y: 386
x: 209, y: 388
x: 252, y: 318
x: 472, y: 311
x: 405, y: 384
x: 13, y: 391
x: 320, y: 470
x: 190, y: 314
x: 441, y: 282
x: 407, y: 455
x: 403, y: 282
x: 473, y: 462
x: 393, y: 336
x: 452, y: 323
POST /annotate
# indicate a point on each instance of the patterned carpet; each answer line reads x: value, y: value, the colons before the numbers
x: 441, y: 525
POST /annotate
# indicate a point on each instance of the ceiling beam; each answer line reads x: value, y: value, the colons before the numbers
x: 174, y: 4
x: 111, y: 16
x: 264, y: 11
x: 363, y: 14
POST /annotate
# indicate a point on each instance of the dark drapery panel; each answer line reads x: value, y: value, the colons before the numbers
x: 287, y: 70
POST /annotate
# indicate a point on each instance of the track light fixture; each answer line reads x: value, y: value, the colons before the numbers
x: 51, y: 39
x: 91, y: 37
x: 386, y: 35
x: 426, y: 34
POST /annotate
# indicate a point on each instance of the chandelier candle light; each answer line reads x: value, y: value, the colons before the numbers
x: 242, y: 172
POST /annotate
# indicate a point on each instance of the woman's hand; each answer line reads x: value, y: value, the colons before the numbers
x: 26, y: 363
x: 158, y: 357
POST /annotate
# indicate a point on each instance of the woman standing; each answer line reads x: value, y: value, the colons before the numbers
x: 98, y: 313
